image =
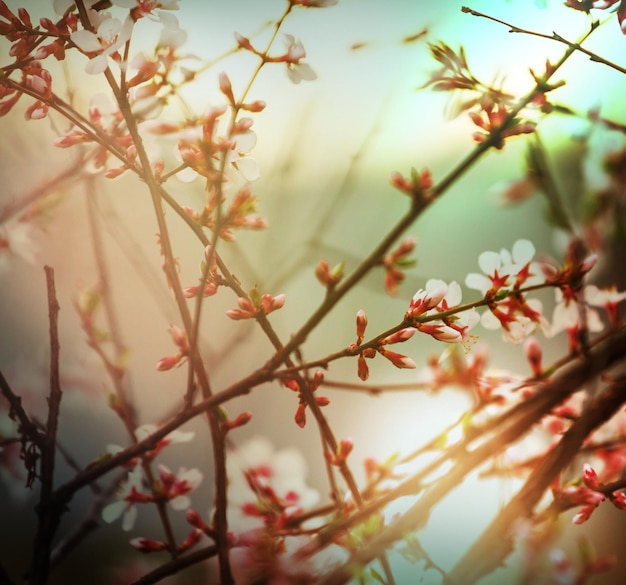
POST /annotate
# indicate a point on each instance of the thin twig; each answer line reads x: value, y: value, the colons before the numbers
x: 553, y: 37
x: 48, y: 510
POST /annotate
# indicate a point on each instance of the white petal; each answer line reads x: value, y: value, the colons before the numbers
x: 490, y: 321
x: 130, y: 516
x: 249, y: 168
x: 489, y: 261
x: 523, y: 251
x: 97, y: 65
x: 180, y: 503
x: 305, y: 72
x: 477, y: 282
x: 454, y: 294
x: 109, y: 29
x: 86, y: 40
x: 113, y: 511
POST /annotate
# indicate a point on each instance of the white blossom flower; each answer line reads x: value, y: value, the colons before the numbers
x: 125, y: 506
x: 110, y: 35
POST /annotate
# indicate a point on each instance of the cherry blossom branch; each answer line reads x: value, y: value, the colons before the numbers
x: 511, y: 426
x: 576, y: 46
x: 418, y: 205
x: 496, y: 542
x: 26, y: 428
x: 49, y: 514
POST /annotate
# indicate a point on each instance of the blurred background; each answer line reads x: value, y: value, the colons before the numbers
x: 326, y: 149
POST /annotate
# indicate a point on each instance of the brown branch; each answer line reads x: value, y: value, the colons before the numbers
x: 553, y: 37
x: 496, y: 543
x: 176, y: 565
x: 48, y: 511
x: 514, y: 424
x: 27, y: 428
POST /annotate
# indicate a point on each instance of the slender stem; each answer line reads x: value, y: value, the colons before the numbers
x: 576, y: 46
x: 48, y: 512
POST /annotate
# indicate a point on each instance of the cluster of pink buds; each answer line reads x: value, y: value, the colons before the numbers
x: 344, y: 448
x: 110, y: 122
x: 256, y: 304
x: 396, y: 262
x: 417, y: 186
x: 241, y: 214
x: 397, y: 359
x: 589, y: 495
x: 177, y: 359
x: 313, y: 384
x: 213, y: 280
x: 492, y: 117
x: 275, y: 510
x: 330, y: 278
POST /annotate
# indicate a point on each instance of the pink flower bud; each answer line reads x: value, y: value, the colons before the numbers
x: 397, y: 359
x: 192, y: 539
x: 195, y: 519
x: 168, y: 362
x: 345, y: 448
x: 441, y: 332
x: 300, y: 416
x: 618, y: 499
x: 590, y: 477
x: 148, y: 545
x: 243, y: 42
x: 254, y: 107
x: 362, y: 368
x: 588, y: 263
x: 361, y: 324
x: 243, y: 419
x: 180, y: 338
x: 24, y: 17
x: 584, y: 514
x: 322, y: 400
x: 399, y: 336
x: 533, y: 355
x: 226, y: 88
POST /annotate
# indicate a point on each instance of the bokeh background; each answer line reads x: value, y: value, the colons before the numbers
x: 326, y: 150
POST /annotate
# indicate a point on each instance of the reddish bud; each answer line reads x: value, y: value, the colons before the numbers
x: 300, y: 416
x: 254, y: 107
x: 195, y: 519
x: 397, y: 359
x: 243, y: 419
x: 399, y: 336
x: 168, y: 362
x: 362, y: 368
x: 243, y: 42
x: 618, y: 499
x: 24, y: 17
x: 148, y: 545
x: 226, y: 87
x: 361, y: 324
x: 192, y: 539
x: 322, y: 400
x: 590, y: 477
